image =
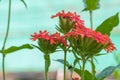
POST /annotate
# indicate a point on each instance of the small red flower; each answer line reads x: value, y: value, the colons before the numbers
x: 75, y: 78
x: 43, y: 35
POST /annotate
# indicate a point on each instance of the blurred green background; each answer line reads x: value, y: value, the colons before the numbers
x: 25, y: 22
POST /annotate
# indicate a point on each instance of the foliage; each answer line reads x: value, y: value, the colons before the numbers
x: 107, y: 26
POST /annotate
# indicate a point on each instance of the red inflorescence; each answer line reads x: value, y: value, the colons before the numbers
x: 71, y: 16
x: 53, y: 38
x: 97, y: 36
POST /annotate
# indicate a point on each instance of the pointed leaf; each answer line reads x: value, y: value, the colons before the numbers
x: 87, y: 74
x: 62, y: 61
x: 91, y: 5
x: 24, y: 3
x: 106, y: 72
x: 107, y: 26
x: 16, y: 48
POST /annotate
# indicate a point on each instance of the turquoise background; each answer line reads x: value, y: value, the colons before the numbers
x: 25, y: 22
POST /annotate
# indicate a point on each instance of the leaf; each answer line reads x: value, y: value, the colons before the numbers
x: 106, y: 72
x: 24, y: 3
x: 91, y: 5
x: 107, y: 26
x: 87, y: 74
x: 16, y: 48
x: 62, y: 61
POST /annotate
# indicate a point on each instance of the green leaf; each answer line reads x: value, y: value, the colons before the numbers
x: 107, y: 26
x: 62, y: 61
x: 106, y: 72
x: 87, y: 74
x: 91, y: 5
x: 24, y: 3
x: 16, y: 48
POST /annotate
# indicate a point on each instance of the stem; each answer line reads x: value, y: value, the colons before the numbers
x: 47, y: 65
x: 3, y: 66
x: 91, y: 20
x: 91, y: 25
x: 71, y: 73
x: 6, y: 36
x: 8, y: 25
x: 92, y: 65
x: 83, y: 69
x: 65, y: 56
x: 46, y: 73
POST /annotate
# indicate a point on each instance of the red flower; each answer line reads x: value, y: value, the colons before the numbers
x: 43, y: 35
x: 97, y: 37
x: 53, y: 38
x: 75, y: 79
x: 72, y: 17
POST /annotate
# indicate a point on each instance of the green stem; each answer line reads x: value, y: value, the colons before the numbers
x: 8, y: 25
x: 65, y: 56
x: 83, y: 69
x: 3, y: 66
x: 93, y: 68
x: 47, y: 64
x: 91, y: 20
x: 6, y: 36
x: 91, y: 25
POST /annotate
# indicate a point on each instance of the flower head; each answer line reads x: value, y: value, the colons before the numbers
x: 48, y: 42
x: 88, y: 41
x: 73, y: 17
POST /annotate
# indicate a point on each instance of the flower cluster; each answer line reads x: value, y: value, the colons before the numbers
x: 72, y: 17
x: 83, y: 41
x: 90, y: 37
x: 53, y: 38
x: 79, y: 29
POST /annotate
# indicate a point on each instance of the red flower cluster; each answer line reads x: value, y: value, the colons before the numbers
x: 53, y: 38
x: 97, y: 36
x: 72, y: 17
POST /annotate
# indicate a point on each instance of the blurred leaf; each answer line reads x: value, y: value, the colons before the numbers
x: 16, y: 48
x: 100, y: 54
x: 62, y: 61
x: 24, y: 3
x: 106, y: 72
x: 91, y: 5
x: 87, y: 74
x: 117, y: 74
x: 107, y: 26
